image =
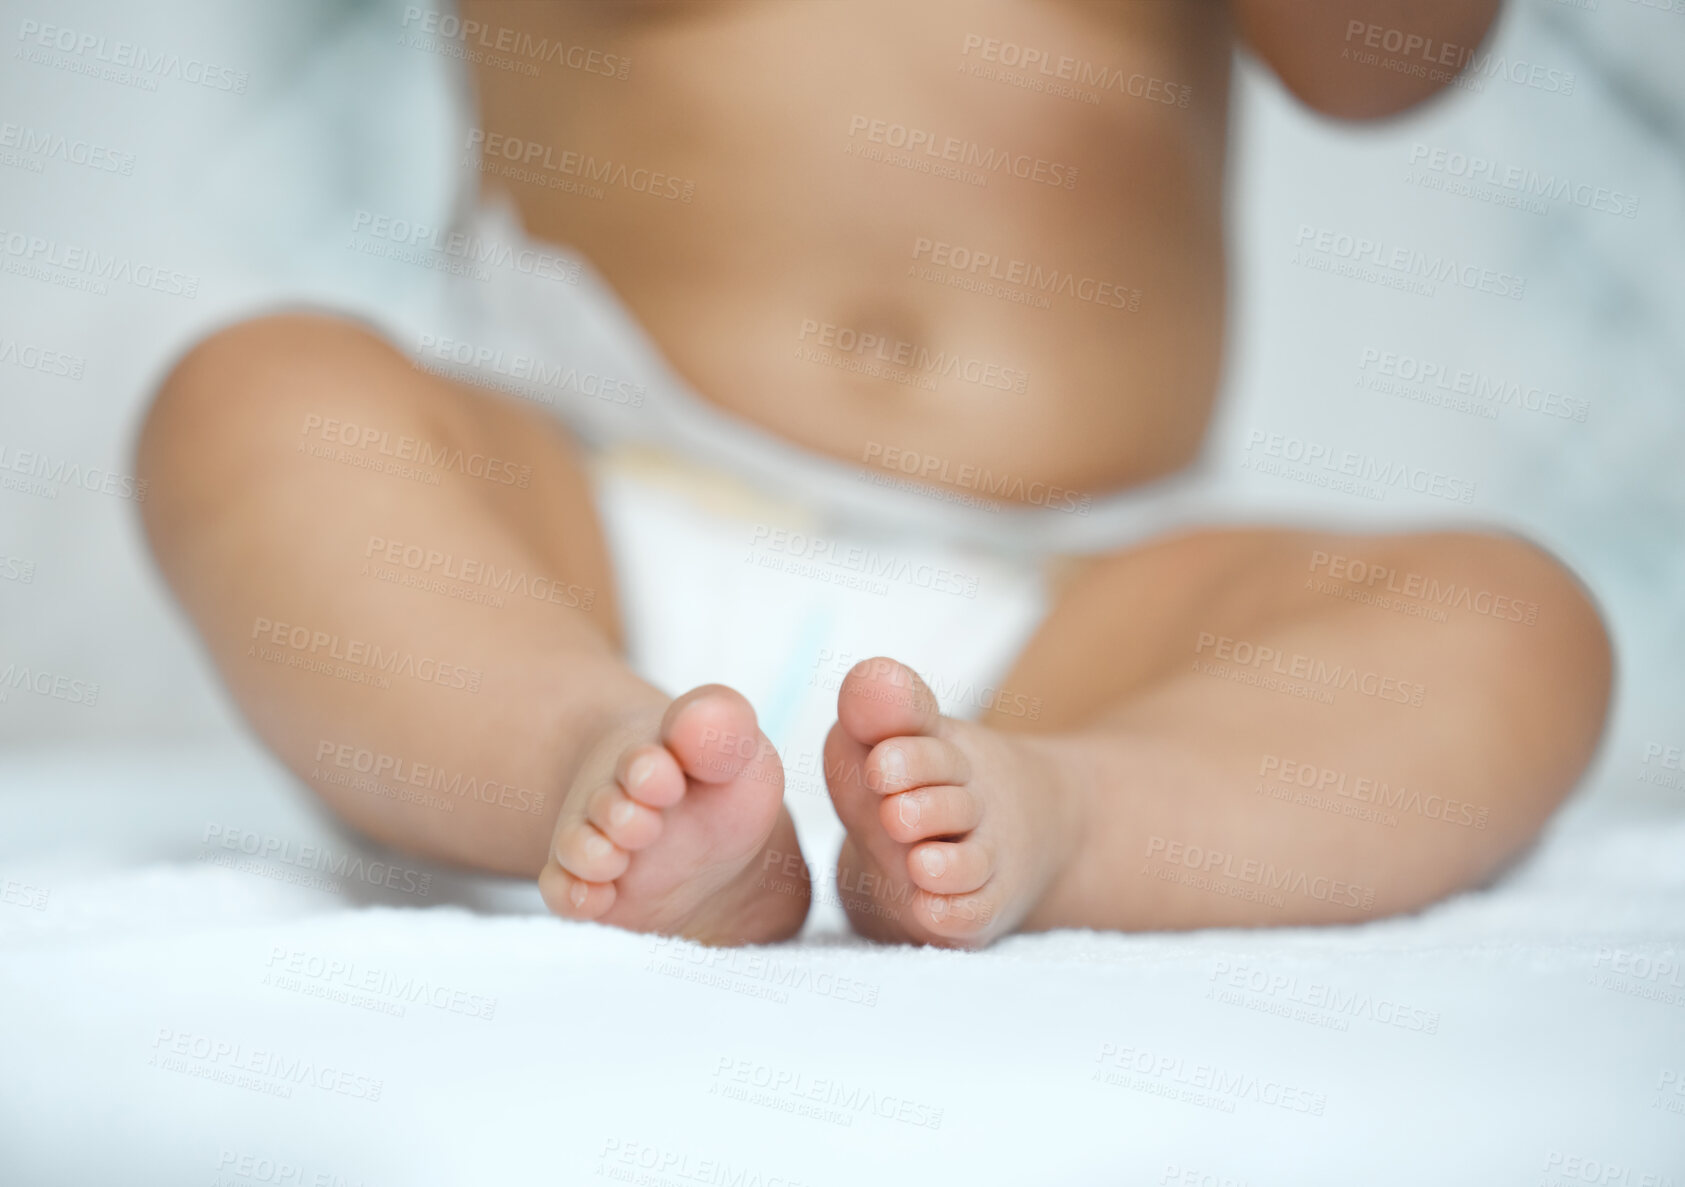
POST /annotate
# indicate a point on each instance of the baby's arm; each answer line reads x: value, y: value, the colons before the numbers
x: 1361, y: 59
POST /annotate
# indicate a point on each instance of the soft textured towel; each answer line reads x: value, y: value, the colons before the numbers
x: 316, y: 1005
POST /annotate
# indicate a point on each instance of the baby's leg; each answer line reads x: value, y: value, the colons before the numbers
x: 1233, y: 729
x: 404, y: 585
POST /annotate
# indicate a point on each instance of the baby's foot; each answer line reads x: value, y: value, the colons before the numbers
x: 672, y: 827
x: 955, y: 831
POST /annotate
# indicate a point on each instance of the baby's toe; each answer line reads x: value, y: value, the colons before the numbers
x: 881, y: 698
x: 585, y: 852
x: 960, y: 921
x: 929, y: 812
x: 711, y: 730
x: 651, y: 776
x: 623, y: 820
x: 916, y: 760
x: 574, y: 898
x: 949, y: 867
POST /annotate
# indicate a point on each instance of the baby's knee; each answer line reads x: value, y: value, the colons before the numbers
x: 238, y: 406
x: 252, y: 372
x: 1554, y: 630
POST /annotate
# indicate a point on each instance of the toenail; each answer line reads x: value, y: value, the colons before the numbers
x: 934, y: 861
x: 893, y: 764
x: 938, y: 906
x: 639, y: 771
x: 596, y: 846
x: 621, y: 814
x: 578, y: 893
x: 907, y: 808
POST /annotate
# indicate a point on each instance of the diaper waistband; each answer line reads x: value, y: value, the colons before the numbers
x: 577, y: 349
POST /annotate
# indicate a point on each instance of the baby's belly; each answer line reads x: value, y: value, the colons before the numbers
x: 867, y: 232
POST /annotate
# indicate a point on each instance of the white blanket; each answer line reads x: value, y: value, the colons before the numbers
x: 220, y: 1015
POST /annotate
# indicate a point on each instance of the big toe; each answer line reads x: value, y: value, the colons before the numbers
x: 882, y: 698
x: 713, y: 733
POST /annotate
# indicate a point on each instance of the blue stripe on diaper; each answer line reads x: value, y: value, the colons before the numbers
x: 790, y: 689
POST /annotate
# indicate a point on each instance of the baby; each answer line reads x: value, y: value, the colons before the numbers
x: 1032, y: 185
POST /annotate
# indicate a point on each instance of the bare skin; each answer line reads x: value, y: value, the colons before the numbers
x: 1161, y: 785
